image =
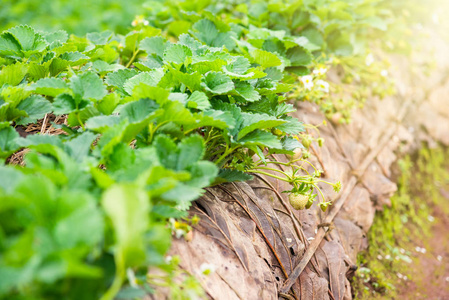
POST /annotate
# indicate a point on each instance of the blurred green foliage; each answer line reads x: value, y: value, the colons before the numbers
x: 74, y: 16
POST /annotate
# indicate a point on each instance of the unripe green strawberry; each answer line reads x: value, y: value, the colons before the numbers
x: 306, y: 141
x: 298, y: 201
x: 305, y: 154
x: 277, y: 132
x: 296, y: 155
x: 320, y: 142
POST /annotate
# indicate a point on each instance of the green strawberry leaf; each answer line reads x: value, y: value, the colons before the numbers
x: 213, y: 118
x: 299, y: 56
x: 108, y: 104
x: 102, y: 123
x: 203, y: 173
x: 230, y: 175
x: 198, y: 100
x: 138, y: 111
x: 79, y: 208
x: 247, y: 91
x: 167, y: 151
x: 29, y: 39
x: 8, y: 140
x: 13, y: 74
x: 36, y: 107
x: 176, y: 53
x: 252, y: 122
x: 78, y: 148
x: 153, y: 45
x: 118, y: 78
x: 9, y: 45
x: 127, y: 206
x: 88, y: 86
x: 99, y: 38
x: 56, y: 38
x: 260, y: 138
x: 191, y: 150
x: 74, y: 58
x: 207, y: 32
x: 151, y: 78
x: 266, y: 59
x: 49, y: 87
x: 217, y: 83
x: 65, y: 104
x: 292, y: 126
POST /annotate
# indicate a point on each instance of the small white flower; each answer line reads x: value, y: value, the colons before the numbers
x: 379, y: 257
x: 320, y: 71
x: 387, y: 256
x: 422, y: 250
x: 430, y: 218
x: 369, y: 59
x: 180, y: 233
x: 139, y: 20
x: 207, y: 269
x: 323, y: 86
x: 400, y: 275
x: 402, y: 250
x: 405, y: 278
x: 289, y: 240
x: 439, y: 258
x: 384, y: 73
x: 307, y: 81
x: 168, y: 259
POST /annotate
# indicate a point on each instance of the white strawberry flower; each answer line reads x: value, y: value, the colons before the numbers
x: 139, y: 20
x: 320, y: 71
x: 384, y: 73
x: 180, y: 233
x: 307, y: 81
x: 207, y: 269
x: 323, y: 86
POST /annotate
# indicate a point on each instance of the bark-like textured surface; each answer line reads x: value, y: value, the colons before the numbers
x: 255, y: 239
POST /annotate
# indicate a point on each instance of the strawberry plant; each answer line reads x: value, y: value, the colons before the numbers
x: 148, y: 123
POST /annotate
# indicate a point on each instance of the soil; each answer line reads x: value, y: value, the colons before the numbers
x: 429, y: 275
